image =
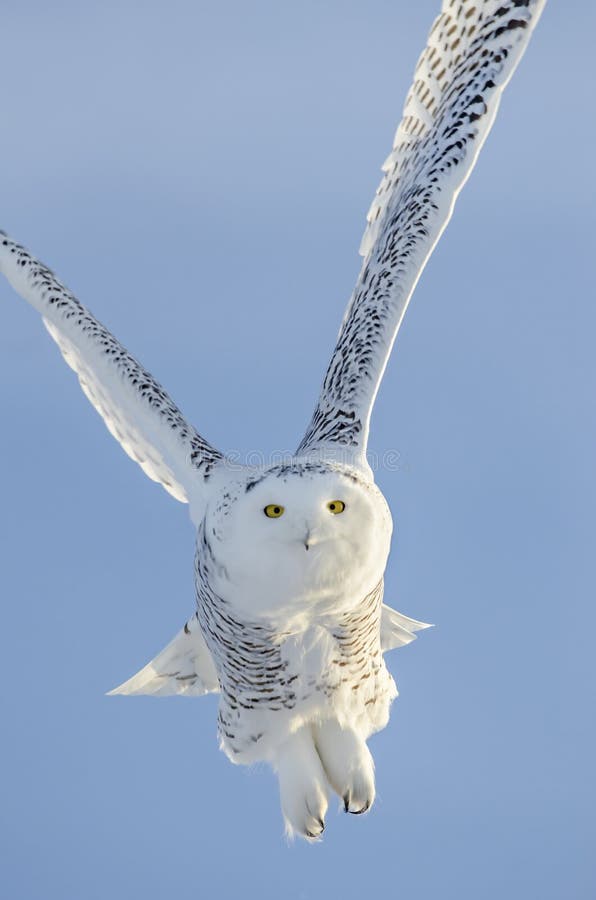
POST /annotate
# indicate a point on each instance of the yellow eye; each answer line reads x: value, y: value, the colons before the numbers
x: 273, y: 511
x: 336, y: 507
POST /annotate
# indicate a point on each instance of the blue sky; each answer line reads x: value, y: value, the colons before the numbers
x: 199, y: 175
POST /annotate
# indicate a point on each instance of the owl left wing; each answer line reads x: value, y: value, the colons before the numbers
x: 472, y: 51
x: 398, y: 630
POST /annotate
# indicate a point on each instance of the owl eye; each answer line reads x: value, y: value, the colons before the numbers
x: 273, y: 511
x: 336, y: 507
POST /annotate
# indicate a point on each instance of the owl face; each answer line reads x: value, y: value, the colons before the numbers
x: 301, y: 535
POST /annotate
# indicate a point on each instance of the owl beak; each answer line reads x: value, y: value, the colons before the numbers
x: 307, y: 540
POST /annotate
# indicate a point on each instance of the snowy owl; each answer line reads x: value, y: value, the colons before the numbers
x: 290, y: 627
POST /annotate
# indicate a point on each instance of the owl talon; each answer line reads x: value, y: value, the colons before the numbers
x: 361, y: 811
x: 314, y: 836
x: 355, y: 812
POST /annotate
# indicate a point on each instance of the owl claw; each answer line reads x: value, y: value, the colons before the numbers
x: 359, y: 812
x: 315, y: 836
x: 355, y: 812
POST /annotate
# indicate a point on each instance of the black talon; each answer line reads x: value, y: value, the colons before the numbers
x: 358, y: 812
x: 346, y: 799
x: 318, y: 835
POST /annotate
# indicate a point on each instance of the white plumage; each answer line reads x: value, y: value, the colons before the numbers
x: 290, y: 626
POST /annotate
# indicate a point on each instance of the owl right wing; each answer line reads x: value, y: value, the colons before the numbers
x: 184, y: 667
x: 135, y: 408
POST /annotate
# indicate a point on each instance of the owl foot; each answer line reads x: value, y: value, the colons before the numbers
x: 302, y: 786
x: 348, y: 764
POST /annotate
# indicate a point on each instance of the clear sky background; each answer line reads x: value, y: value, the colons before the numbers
x: 199, y: 174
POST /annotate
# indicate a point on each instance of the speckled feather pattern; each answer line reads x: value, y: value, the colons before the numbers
x: 472, y: 51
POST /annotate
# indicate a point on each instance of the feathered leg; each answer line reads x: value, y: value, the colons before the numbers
x: 302, y: 785
x: 348, y: 764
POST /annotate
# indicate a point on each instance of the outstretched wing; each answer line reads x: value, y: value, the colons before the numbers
x: 135, y: 408
x: 472, y: 51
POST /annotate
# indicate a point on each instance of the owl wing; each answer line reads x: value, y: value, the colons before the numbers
x: 184, y: 667
x: 472, y: 51
x: 135, y: 408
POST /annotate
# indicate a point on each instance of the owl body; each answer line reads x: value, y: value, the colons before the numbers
x: 294, y: 625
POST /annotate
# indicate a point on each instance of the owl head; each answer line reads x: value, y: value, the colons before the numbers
x: 300, y: 533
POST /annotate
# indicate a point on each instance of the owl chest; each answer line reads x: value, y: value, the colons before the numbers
x: 266, y: 667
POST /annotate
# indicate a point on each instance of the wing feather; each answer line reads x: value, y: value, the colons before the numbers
x: 398, y: 630
x: 184, y: 667
x: 472, y: 51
